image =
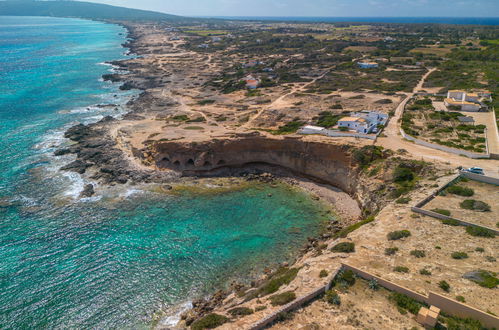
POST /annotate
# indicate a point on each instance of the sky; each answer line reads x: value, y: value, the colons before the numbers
x: 318, y: 8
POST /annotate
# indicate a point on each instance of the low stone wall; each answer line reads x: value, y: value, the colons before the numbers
x: 480, y: 178
x: 447, y: 305
x: 460, y: 152
x: 294, y: 304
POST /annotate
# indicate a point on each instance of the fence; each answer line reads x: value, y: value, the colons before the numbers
x: 294, y: 304
x: 449, y: 306
x: 469, y: 154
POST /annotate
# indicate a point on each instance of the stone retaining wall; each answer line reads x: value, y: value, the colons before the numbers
x: 269, y: 319
x: 447, y: 305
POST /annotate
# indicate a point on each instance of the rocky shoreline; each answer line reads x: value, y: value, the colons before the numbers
x: 100, y: 158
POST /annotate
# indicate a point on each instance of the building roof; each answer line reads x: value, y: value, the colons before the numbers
x: 454, y: 102
x: 351, y: 119
x: 317, y: 128
x: 457, y: 91
x: 472, y: 94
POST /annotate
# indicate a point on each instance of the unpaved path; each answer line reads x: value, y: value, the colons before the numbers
x: 395, y: 141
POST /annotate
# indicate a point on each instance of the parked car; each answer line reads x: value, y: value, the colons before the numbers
x: 475, y: 170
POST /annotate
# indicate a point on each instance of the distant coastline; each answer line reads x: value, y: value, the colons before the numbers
x: 417, y: 20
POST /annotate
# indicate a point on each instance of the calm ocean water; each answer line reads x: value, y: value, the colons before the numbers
x: 114, y: 260
x: 437, y: 20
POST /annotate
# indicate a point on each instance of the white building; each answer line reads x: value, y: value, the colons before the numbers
x: 309, y: 129
x: 367, y: 65
x: 364, y: 122
x: 465, y: 101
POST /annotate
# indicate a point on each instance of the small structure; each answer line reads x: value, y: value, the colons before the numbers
x: 467, y: 101
x: 367, y: 65
x: 204, y: 46
x: 252, y: 64
x: 251, y: 82
x: 310, y: 129
x: 466, y: 120
x: 216, y: 39
x: 365, y: 122
x: 428, y: 317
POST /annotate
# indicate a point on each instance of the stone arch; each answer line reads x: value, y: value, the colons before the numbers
x: 206, y: 163
x: 221, y: 162
x: 190, y: 162
x: 176, y: 163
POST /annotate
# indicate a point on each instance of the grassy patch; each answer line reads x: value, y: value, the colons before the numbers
x: 444, y: 286
x: 425, y: 272
x: 194, y: 128
x: 459, y: 255
x: 474, y: 205
x: 345, y: 278
x: 418, y: 253
x: 403, y: 200
x: 332, y: 298
x: 210, y: 321
x: 289, y: 128
x: 345, y: 231
x: 323, y: 273
x: 391, y: 251
x: 401, y: 269
x: 442, y: 212
x: 406, y: 303
x: 344, y: 247
x: 282, y: 298
x: 396, y: 235
x: 480, y: 232
x: 483, y: 278
x: 451, y: 222
x: 281, y: 277
x: 460, y: 191
x: 240, y: 311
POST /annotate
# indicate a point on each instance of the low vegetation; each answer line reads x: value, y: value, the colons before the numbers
x: 391, y: 251
x: 401, y: 269
x: 282, y: 298
x: 480, y: 232
x: 240, y: 311
x: 460, y: 191
x: 442, y: 212
x: 399, y: 234
x: 459, y: 255
x: 474, y: 205
x: 332, y: 297
x: 405, y: 303
x: 418, y: 253
x: 344, y: 247
x: 209, y: 321
x: 444, y: 286
x: 281, y: 277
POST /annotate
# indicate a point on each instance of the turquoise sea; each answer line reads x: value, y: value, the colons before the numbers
x: 117, y: 259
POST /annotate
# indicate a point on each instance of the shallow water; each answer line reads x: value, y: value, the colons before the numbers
x: 115, y: 259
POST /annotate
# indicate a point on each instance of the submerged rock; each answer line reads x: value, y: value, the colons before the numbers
x: 88, y: 191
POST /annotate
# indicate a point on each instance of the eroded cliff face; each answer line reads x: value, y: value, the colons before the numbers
x: 324, y: 162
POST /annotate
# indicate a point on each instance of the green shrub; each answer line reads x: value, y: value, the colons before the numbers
x: 332, y: 298
x: 406, y: 303
x: 456, y: 323
x: 391, y: 251
x: 403, y: 200
x: 240, y: 311
x: 460, y: 299
x: 209, y: 321
x: 425, y: 272
x: 260, y: 308
x: 401, y: 269
x: 490, y: 259
x: 442, y: 212
x: 459, y: 255
x: 344, y: 247
x: 479, y: 249
x: 345, y: 278
x: 323, y: 273
x: 403, y: 174
x: 480, y: 232
x: 451, y: 222
x: 345, y: 231
x: 282, y: 298
x: 396, y: 235
x: 418, y: 253
x: 471, y: 204
x: 461, y: 191
x: 373, y: 284
x: 444, y: 286
x: 281, y: 277
x: 483, y: 278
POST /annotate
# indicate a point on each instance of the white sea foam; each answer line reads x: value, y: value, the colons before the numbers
x: 172, y: 320
x: 131, y: 192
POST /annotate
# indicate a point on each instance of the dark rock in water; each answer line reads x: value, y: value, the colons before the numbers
x: 127, y: 86
x: 122, y: 179
x: 77, y: 166
x: 77, y: 133
x: 62, y: 152
x: 88, y: 191
x: 167, y: 187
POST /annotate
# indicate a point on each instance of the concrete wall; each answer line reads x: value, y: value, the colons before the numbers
x: 480, y: 178
x: 294, y: 304
x: 469, y: 154
x: 447, y: 305
x: 331, y: 133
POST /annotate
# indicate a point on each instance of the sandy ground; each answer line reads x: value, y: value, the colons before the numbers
x: 483, y: 192
x: 487, y: 119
